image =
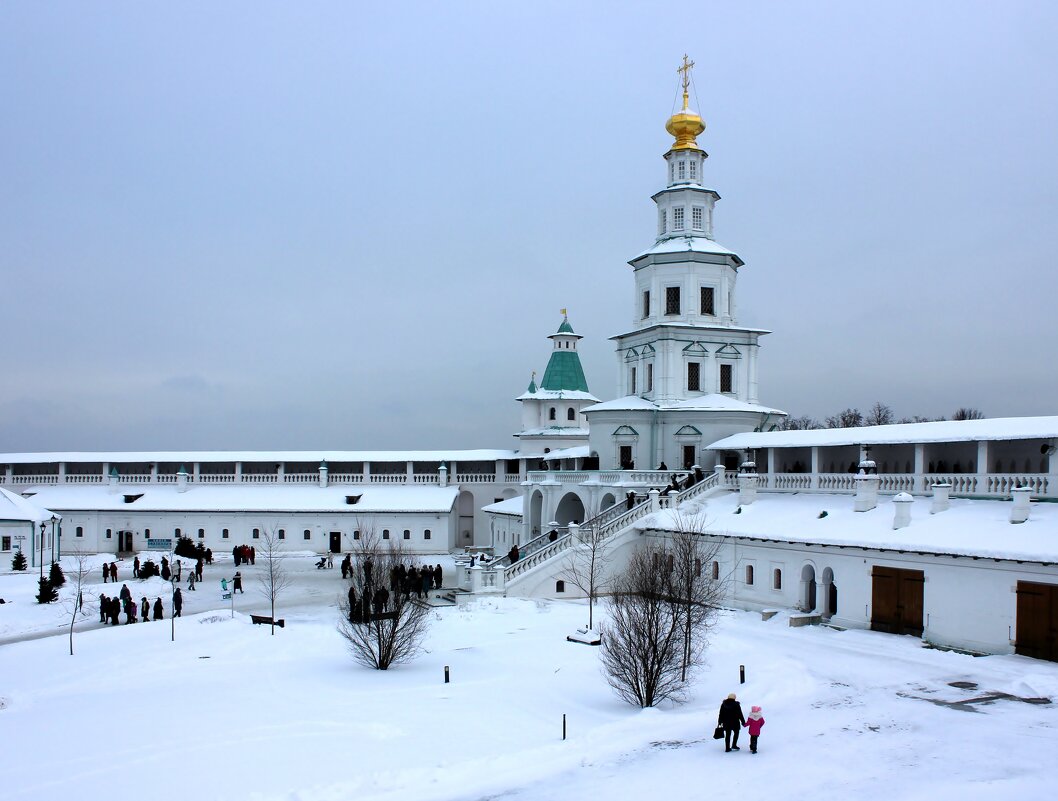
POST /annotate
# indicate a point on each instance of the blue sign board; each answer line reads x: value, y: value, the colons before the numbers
x: 160, y: 544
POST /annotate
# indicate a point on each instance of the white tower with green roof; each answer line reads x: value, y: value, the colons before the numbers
x: 552, y: 418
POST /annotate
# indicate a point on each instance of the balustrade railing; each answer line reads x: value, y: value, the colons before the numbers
x: 346, y: 478
x: 512, y: 478
x: 981, y: 485
x: 135, y: 478
x: 80, y: 478
x: 389, y: 478
x: 425, y: 478
x: 475, y: 478
x: 37, y: 479
x: 215, y: 478
x: 260, y: 478
x: 625, y: 478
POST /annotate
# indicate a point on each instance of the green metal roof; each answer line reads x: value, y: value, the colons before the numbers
x: 565, y: 328
x: 564, y: 371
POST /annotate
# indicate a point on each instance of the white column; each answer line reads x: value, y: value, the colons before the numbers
x: 941, y: 498
x: 920, y: 467
x: 902, y: 510
x: 367, y: 472
x: 501, y: 471
x: 62, y: 472
x: 982, y: 466
x: 238, y: 472
x: 747, y: 488
x: 1019, y: 513
x: 196, y: 470
x: 866, y: 492
x: 409, y: 473
x: 154, y: 473
x: 815, y: 467
x: 771, y: 466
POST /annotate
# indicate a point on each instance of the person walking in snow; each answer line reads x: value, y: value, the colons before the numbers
x: 159, y: 612
x: 178, y: 602
x: 145, y: 609
x: 114, y: 572
x: 437, y: 576
x: 136, y: 567
x: 115, y: 611
x: 104, y: 606
x: 755, y: 722
x: 198, y: 570
x: 237, y: 583
x: 177, y: 569
x: 209, y: 556
x: 106, y: 572
x: 166, y: 572
x: 732, y: 720
x: 191, y: 579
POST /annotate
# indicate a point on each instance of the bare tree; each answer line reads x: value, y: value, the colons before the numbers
x: 275, y: 578
x: 658, y: 617
x: 586, y: 565
x: 968, y: 413
x: 698, y: 592
x: 879, y: 415
x: 381, y: 624
x: 802, y: 423
x: 846, y: 418
x: 74, y: 602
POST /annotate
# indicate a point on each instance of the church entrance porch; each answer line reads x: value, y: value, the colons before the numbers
x: 896, y: 600
x: 1037, y: 621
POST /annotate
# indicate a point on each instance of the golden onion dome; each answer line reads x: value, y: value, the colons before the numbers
x: 685, y: 125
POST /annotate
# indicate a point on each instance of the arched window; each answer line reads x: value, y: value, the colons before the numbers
x: 407, y: 533
x: 777, y: 579
x: 385, y: 533
x: 80, y: 531
x: 560, y: 586
x: 551, y: 415
x: 716, y: 571
x: 201, y: 533
x: 697, y: 567
x: 749, y: 574
x: 570, y: 414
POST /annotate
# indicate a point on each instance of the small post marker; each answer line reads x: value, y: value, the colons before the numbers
x: 446, y: 674
x: 741, y: 674
x: 563, y: 727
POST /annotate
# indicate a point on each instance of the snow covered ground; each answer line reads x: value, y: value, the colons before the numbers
x: 228, y: 711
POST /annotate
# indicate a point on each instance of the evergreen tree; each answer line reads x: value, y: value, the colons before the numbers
x: 46, y: 593
x: 19, y: 562
x: 56, y: 577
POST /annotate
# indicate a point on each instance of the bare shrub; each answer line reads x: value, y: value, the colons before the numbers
x: 661, y: 610
x: 394, y: 636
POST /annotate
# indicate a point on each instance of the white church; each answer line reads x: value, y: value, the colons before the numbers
x: 946, y: 531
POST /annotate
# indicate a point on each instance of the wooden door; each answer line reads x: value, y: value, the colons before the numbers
x: 336, y: 542
x: 1037, y: 621
x: 896, y: 600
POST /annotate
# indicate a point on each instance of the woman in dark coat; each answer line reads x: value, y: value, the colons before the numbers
x: 145, y: 609
x: 159, y: 612
x: 437, y: 576
x: 732, y: 719
x: 178, y: 602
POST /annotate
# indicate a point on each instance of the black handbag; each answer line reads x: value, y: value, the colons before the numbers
x: 718, y: 733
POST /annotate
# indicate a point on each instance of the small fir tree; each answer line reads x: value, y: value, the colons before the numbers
x: 46, y: 593
x: 56, y: 577
x: 19, y: 562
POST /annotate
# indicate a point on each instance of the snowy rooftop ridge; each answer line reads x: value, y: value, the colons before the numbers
x: 15, y: 508
x: 711, y: 402
x: 997, y: 428
x: 481, y: 455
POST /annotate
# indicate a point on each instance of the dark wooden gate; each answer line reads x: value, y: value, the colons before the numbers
x: 336, y: 542
x: 896, y: 600
x: 1037, y: 623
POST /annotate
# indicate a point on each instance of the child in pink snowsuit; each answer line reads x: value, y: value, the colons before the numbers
x: 754, y: 722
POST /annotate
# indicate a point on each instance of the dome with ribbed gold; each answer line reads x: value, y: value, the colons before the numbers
x: 685, y: 124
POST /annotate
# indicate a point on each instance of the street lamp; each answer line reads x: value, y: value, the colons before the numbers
x: 54, y: 541
x: 43, y: 526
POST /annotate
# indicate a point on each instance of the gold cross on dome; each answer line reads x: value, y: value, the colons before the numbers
x: 685, y: 71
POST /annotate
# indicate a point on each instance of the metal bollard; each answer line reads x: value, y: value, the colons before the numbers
x: 563, y: 727
x: 741, y: 674
x: 446, y: 674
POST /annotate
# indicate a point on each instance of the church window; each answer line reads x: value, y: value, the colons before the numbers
x: 282, y: 533
x: 385, y: 533
x: 694, y: 376
x: 201, y: 533
x: 661, y: 221
x: 80, y: 531
x: 257, y: 533
x: 716, y: 571
x: 672, y: 168
x: 683, y: 170
x: 646, y: 303
x: 552, y: 414
x: 307, y: 534
x: 727, y: 378
x: 570, y: 414
x: 672, y: 300
x: 110, y: 533
x: 407, y: 533
x: 224, y: 534
x: 708, y: 300
x: 650, y: 376
x: 426, y: 534
x: 749, y: 574
x: 632, y: 382
x: 776, y: 582
x: 677, y: 219
x: 694, y: 170
x: 696, y: 217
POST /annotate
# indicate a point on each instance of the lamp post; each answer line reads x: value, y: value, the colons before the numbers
x: 43, y: 526
x: 54, y: 541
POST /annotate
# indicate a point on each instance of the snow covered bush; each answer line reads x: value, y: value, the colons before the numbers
x: 55, y: 576
x: 19, y: 562
x: 186, y: 547
x: 45, y: 592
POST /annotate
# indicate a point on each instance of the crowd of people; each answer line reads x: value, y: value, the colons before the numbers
x: 376, y: 593
x: 111, y: 609
x: 244, y: 555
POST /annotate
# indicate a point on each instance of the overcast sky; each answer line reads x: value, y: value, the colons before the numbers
x: 315, y: 225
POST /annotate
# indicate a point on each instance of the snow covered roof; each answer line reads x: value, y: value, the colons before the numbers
x: 254, y: 498
x: 189, y: 457
x: 713, y: 403
x: 999, y: 428
x: 558, y: 394
x: 553, y: 431
x: 16, y: 508
x: 578, y: 452
x: 510, y: 506
x: 687, y: 244
x: 969, y: 528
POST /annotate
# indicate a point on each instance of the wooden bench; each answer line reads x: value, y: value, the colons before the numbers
x: 266, y: 620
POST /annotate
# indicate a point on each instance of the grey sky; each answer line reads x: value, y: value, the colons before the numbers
x: 309, y: 225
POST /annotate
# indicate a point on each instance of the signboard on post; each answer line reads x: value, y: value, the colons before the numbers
x: 165, y: 544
